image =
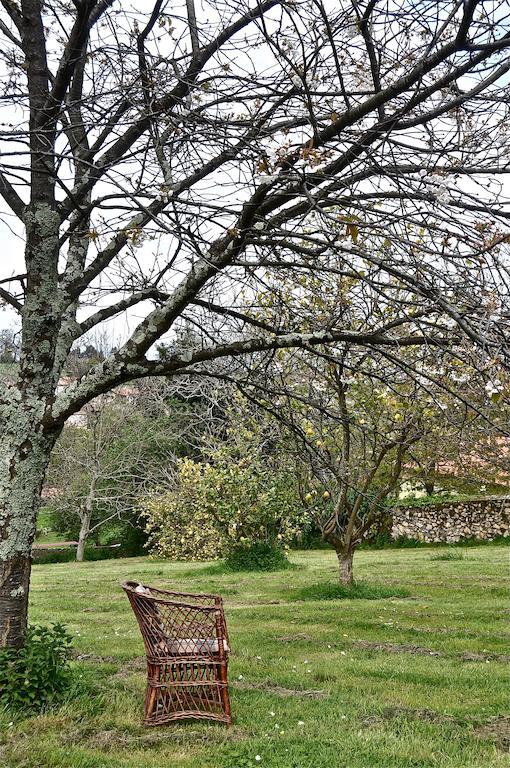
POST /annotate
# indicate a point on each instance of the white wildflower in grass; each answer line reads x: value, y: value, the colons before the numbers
x: 301, y: 722
x: 240, y: 677
x: 258, y: 758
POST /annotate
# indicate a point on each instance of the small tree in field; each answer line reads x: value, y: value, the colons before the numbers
x: 349, y: 434
x: 355, y: 424
x: 157, y: 164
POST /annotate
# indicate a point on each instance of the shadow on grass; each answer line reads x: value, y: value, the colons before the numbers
x: 357, y: 591
x: 222, y: 569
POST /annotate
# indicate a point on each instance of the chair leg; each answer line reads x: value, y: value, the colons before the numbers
x: 225, y: 699
x: 151, y: 693
x: 150, y: 700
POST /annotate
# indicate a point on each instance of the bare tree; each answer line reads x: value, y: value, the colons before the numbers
x: 99, y: 469
x: 160, y: 165
x: 348, y: 423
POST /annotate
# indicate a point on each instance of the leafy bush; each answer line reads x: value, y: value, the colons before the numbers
x: 37, y: 674
x: 256, y: 556
x: 217, y: 506
x: 131, y: 536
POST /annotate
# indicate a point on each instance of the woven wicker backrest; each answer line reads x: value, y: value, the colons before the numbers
x: 177, y: 624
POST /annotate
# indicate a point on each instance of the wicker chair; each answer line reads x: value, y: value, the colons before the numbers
x: 187, y: 648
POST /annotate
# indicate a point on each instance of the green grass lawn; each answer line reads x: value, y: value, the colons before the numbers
x: 407, y: 682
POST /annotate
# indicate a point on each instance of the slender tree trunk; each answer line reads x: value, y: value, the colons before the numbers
x: 85, y: 517
x: 345, y: 559
x: 429, y: 479
x: 82, y: 538
x: 429, y: 486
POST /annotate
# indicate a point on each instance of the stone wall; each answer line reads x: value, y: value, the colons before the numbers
x: 451, y: 521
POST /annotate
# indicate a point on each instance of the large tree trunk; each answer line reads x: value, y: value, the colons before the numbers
x: 345, y: 559
x: 24, y: 459
x: 28, y: 434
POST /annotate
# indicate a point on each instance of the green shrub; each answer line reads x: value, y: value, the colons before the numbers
x: 356, y: 591
x: 217, y: 506
x: 450, y: 554
x: 64, y: 555
x: 256, y: 556
x: 68, y: 554
x: 37, y: 674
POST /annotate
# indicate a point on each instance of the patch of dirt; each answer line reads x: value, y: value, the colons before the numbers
x: 485, y: 657
x: 497, y: 729
x: 77, y: 656
x: 109, y: 739
x: 395, y: 648
x: 421, y: 714
x: 299, y: 636
x: 278, y: 690
x: 436, y: 630
x: 428, y: 715
x: 417, y: 649
x: 138, y: 664
x: 254, y: 604
x: 178, y: 734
